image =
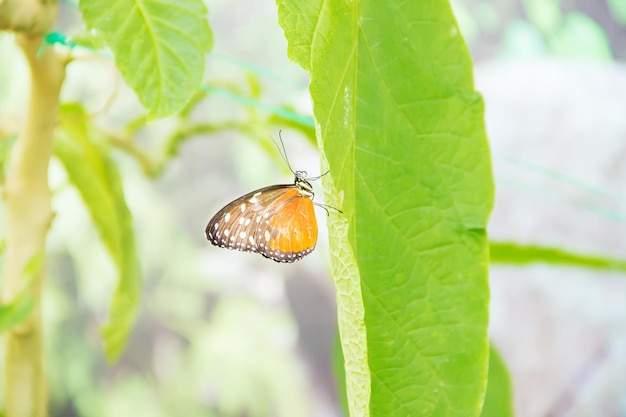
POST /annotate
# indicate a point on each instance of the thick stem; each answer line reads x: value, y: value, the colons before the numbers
x: 35, y: 17
x: 28, y: 214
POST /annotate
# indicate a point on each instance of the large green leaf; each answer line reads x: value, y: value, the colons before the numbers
x: 499, y: 396
x: 159, y: 46
x: 339, y: 371
x: 95, y: 176
x: 403, y: 131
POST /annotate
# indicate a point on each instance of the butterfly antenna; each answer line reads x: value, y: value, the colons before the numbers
x: 282, y: 151
x: 318, y: 177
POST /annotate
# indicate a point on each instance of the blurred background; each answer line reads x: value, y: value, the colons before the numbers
x: 221, y: 333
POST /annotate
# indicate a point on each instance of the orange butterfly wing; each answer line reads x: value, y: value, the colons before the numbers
x: 292, y: 230
x: 277, y: 221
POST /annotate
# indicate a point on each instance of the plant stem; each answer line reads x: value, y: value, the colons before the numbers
x: 28, y: 215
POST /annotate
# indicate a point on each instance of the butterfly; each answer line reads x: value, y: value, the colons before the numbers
x: 276, y: 221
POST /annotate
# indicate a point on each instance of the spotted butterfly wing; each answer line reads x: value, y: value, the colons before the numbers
x: 277, y: 221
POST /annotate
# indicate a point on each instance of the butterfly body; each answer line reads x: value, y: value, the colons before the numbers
x: 276, y: 221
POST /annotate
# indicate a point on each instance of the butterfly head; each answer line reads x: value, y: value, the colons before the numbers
x: 304, y: 186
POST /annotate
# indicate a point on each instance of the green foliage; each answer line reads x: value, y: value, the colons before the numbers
x: 618, y: 10
x: 513, y: 253
x: 23, y: 305
x: 544, y: 14
x: 402, y: 129
x: 581, y: 37
x: 499, y: 397
x: 551, y: 31
x: 96, y: 178
x: 16, y: 311
x: 159, y: 47
x: 5, y: 149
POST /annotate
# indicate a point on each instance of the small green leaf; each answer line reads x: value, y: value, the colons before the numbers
x: 618, y: 10
x: 581, y: 37
x: 499, y: 396
x: 159, y: 47
x: 95, y: 176
x: 546, y: 15
x: 513, y: 253
x: 32, y: 266
x: 15, y: 312
x: 403, y: 132
x: 88, y: 40
x: 22, y: 306
x: 521, y: 40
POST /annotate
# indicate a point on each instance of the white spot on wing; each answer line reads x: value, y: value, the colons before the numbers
x: 254, y: 198
x: 243, y: 207
x: 227, y: 217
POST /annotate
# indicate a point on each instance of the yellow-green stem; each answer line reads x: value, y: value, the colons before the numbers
x: 28, y: 215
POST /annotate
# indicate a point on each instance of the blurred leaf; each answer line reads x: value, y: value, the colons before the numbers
x: 488, y: 16
x: 514, y: 253
x: 468, y: 25
x: 248, y: 372
x: 522, y: 40
x: 6, y: 145
x: 255, y: 85
x: 618, y: 10
x: 96, y: 178
x: 307, y: 129
x: 88, y: 40
x: 499, y: 395
x: 15, y: 312
x: 22, y: 306
x: 276, y: 111
x: 159, y: 47
x: 403, y: 131
x: 546, y: 15
x: 581, y: 37
x: 32, y: 266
